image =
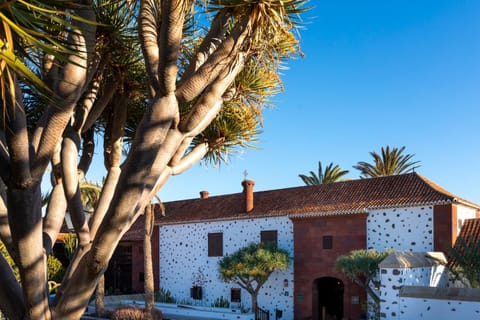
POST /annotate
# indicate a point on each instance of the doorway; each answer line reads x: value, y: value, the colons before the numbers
x: 118, y: 277
x: 328, y: 298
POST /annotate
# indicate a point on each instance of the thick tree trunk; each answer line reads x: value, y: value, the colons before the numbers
x: 27, y: 237
x: 254, y: 302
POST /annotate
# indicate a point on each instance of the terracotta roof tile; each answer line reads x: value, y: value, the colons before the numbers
x: 470, y: 232
x: 137, y: 230
x: 351, y: 196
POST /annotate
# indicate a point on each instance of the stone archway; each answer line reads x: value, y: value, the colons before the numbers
x: 327, y: 298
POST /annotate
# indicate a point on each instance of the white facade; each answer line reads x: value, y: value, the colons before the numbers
x: 401, y: 229
x: 184, y: 257
x: 464, y: 213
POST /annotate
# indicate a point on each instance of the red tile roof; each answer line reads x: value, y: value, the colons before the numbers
x: 353, y: 196
x: 470, y: 233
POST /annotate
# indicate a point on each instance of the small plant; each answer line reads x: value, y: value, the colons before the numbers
x: 55, y: 269
x: 132, y: 313
x: 70, y: 245
x: 164, y: 295
x: 221, y: 303
x: 6, y: 255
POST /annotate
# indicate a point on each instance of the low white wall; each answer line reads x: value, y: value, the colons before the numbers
x: 439, y: 304
x: 407, y: 269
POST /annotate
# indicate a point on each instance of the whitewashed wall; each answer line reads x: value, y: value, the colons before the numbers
x: 463, y: 213
x: 401, y: 229
x: 430, y: 304
x: 184, y: 249
x: 392, y: 280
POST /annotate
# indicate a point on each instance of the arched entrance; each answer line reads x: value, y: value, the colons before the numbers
x: 327, y: 298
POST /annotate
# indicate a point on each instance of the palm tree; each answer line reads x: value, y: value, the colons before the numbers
x: 331, y: 174
x: 390, y: 162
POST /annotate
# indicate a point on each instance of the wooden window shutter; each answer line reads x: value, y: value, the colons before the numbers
x: 215, y: 244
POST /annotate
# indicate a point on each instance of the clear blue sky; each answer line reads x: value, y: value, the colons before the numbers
x: 375, y: 73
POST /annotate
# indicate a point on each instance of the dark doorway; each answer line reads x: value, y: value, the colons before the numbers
x: 118, y: 277
x: 329, y: 304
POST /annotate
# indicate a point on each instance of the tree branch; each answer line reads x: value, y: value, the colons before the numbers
x: 108, y: 90
x: 4, y: 158
x: 148, y: 24
x: 87, y: 152
x: 69, y: 154
x: 57, y: 205
x: 73, y: 75
x: 210, y: 103
x: 114, y: 131
x: 17, y: 139
x: 216, y: 62
x: 54, y: 217
x: 170, y: 39
x: 194, y: 156
x: 210, y: 43
x: 5, y: 234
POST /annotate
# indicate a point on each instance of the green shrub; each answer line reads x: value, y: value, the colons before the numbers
x: 164, y: 296
x: 8, y: 258
x: 55, y: 269
x: 133, y: 313
x: 221, y: 303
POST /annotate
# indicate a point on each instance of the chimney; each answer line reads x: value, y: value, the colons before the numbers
x: 248, y: 191
x: 204, y: 194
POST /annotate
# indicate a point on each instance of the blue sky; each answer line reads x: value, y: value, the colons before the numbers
x: 375, y: 73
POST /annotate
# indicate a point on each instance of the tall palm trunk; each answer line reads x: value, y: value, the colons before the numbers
x: 148, y: 264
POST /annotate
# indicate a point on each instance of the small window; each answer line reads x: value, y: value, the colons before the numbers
x: 215, y: 244
x: 327, y: 242
x: 196, y: 293
x: 235, y: 295
x: 141, y: 277
x: 268, y: 237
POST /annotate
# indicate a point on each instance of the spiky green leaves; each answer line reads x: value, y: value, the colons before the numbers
x: 466, y: 256
x: 389, y: 162
x: 361, y: 263
x: 331, y: 174
x: 254, y: 262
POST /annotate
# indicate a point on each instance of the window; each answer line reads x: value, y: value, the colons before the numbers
x: 268, y: 237
x: 327, y: 242
x: 196, y: 293
x: 215, y: 244
x: 141, y: 277
x: 235, y: 295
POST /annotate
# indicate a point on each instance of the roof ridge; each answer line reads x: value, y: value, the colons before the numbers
x: 343, y: 197
x: 443, y: 191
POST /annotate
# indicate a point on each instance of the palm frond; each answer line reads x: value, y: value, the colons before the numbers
x: 388, y: 162
x: 329, y: 175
